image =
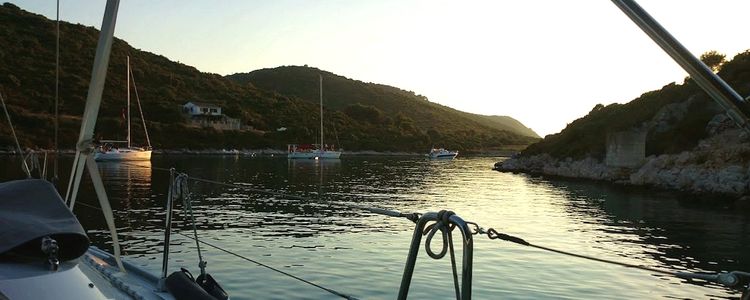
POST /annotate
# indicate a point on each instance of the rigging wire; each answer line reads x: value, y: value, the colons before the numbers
x: 55, y: 178
x: 18, y: 145
x: 138, y: 100
x: 493, y: 234
x: 330, y: 290
x: 182, y: 187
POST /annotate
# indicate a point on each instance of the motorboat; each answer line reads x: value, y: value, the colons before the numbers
x: 440, y: 153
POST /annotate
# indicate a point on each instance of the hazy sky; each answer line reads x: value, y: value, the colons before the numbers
x: 545, y: 63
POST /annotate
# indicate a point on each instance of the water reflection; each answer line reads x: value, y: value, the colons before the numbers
x: 680, y: 233
x: 314, y: 237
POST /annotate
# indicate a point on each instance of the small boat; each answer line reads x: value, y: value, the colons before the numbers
x: 316, y: 151
x: 440, y: 153
x: 108, y: 151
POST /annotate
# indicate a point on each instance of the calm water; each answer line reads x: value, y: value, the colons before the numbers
x: 363, y: 254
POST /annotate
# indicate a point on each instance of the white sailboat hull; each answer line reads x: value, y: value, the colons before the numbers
x: 314, y: 154
x: 123, y: 155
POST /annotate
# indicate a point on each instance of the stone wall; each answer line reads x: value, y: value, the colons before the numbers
x: 626, y: 149
x: 719, y: 164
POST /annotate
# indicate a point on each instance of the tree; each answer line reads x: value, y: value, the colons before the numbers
x: 713, y: 59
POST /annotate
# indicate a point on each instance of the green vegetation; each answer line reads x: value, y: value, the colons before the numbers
x: 359, y: 116
x: 586, y: 136
x: 347, y: 94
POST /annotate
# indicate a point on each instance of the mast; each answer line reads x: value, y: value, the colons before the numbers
x: 321, y: 111
x: 712, y: 84
x: 84, y: 157
x: 128, y: 78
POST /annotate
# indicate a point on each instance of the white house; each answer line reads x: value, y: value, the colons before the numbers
x: 201, y: 109
x: 209, y: 115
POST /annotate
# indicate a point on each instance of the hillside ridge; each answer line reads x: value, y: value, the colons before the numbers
x: 27, y: 82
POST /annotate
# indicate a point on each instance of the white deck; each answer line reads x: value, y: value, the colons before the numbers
x: 90, y: 277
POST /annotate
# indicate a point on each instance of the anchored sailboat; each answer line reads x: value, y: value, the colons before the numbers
x: 109, y: 151
x: 317, y: 151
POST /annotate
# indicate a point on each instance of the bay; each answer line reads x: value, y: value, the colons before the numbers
x: 362, y: 254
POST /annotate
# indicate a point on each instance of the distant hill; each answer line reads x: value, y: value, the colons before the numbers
x: 508, y: 122
x: 342, y: 93
x: 27, y: 83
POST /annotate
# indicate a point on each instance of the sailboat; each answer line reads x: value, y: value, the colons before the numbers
x: 110, y: 152
x: 316, y: 151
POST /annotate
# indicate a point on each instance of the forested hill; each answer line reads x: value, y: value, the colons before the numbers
x: 27, y: 65
x: 348, y: 95
x: 674, y: 117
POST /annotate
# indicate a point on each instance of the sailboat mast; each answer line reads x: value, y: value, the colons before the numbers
x: 128, y: 77
x: 321, y: 111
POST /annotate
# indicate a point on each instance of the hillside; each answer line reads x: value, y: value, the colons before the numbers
x: 27, y: 83
x: 675, y: 117
x: 690, y: 143
x: 342, y: 93
x: 508, y: 122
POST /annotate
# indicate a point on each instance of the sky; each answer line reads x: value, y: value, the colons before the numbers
x: 542, y: 62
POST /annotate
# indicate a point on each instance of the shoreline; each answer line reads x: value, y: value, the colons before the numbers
x: 718, y: 166
x: 276, y: 152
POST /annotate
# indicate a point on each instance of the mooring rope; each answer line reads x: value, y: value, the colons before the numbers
x: 493, y: 234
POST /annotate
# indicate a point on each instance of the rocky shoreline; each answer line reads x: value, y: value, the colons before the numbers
x: 719, y: 164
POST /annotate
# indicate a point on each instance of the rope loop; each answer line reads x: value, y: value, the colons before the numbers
x: 443, y: 224
x: 180, y: 189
